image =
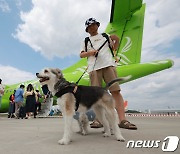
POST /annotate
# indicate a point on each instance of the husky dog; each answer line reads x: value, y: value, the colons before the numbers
x: 73, y: 97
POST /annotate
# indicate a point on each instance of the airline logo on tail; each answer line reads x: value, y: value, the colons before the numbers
x: 126, y: 48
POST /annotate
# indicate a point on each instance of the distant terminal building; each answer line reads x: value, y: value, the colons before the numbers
x: 164, y: 111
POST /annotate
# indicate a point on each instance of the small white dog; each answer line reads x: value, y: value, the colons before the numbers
x: 72, y: 96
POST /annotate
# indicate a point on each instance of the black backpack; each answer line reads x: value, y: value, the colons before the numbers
x: 107, y: 39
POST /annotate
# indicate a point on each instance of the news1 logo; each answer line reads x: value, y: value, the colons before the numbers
x: 169, y: 144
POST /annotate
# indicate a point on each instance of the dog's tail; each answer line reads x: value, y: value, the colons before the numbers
x: 108, y: 85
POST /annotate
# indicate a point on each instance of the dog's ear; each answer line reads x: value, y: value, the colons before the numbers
x: 57, y: 72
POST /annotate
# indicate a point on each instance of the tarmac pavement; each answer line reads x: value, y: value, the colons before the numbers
x: 41, y: 135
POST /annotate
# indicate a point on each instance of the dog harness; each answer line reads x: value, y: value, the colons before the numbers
x: 70, y: 89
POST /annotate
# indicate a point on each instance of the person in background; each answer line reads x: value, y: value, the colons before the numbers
x: 45, y: 92
x: 47, y: 102
x: 38, y: 103
x: 1, y: 92
x: 30, y: 101
x: 11, y: 105
x: 19, y: 99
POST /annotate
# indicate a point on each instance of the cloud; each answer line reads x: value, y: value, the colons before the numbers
x: 160, y: 90
x: 56, y: 28
x: 11, y: 75
x: 157, y: 91
x: 18, y: 3
x: 4, y: 7
x: 161, y: 27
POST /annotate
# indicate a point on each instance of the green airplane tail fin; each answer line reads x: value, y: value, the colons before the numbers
x: 126, y: 21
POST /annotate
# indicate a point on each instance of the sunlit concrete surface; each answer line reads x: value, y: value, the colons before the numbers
x: 41, y: 135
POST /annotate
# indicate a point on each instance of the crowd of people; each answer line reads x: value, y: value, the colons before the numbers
x: 24, y: 103
x: 32, y: 105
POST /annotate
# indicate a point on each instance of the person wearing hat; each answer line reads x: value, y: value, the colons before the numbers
x: 102, y: 66
x: 1, y: 92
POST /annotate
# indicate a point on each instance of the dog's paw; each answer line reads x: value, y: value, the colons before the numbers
x: 64, y: 142
x: 84, y: 133
x: 112, y: 132
x: 106, y: 135
x: 121, y: 139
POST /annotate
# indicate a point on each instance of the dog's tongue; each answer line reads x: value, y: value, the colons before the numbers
x: 43, y: 79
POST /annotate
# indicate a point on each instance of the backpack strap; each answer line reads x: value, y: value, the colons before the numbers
x: 87, y: 39
x: 107, y: 38
x: 104, y: 35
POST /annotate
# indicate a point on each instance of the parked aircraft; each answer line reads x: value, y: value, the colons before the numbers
x: 126, y: 21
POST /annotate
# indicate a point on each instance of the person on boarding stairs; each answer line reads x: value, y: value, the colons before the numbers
x: 99, y: 51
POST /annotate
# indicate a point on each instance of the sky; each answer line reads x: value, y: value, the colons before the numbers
x: 35, y: 34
